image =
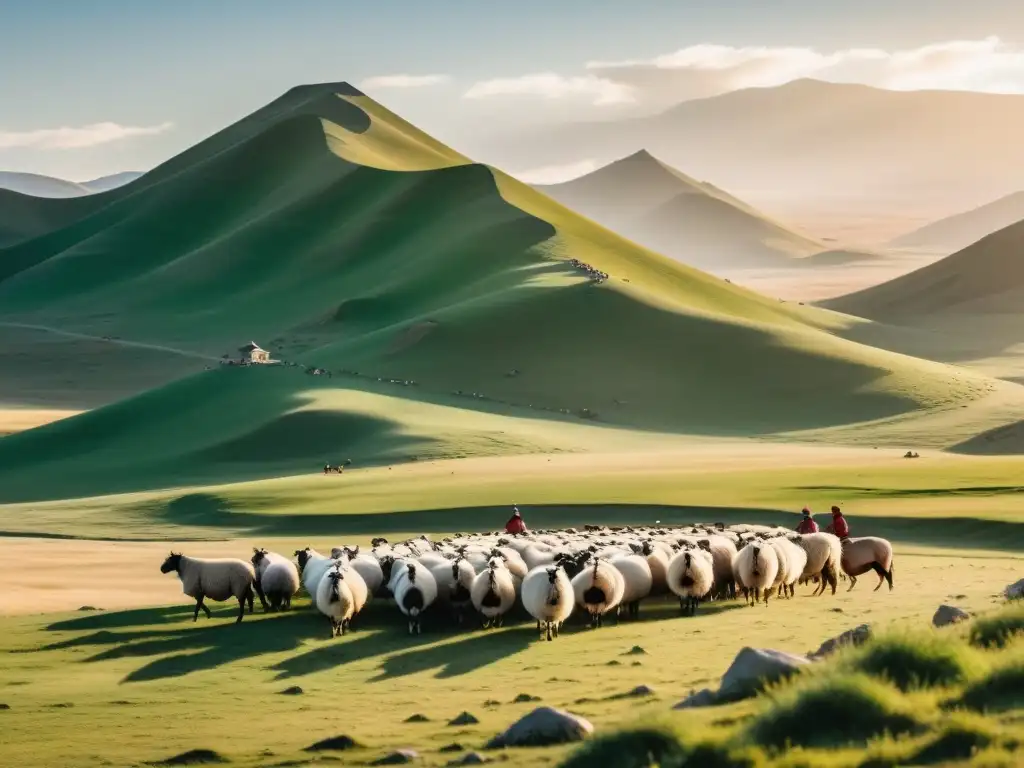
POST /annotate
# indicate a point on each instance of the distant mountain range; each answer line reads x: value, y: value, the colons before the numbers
x: 693, y: 221
x: 963, y: 229
x: 48, y: 186
x: 815, y: 143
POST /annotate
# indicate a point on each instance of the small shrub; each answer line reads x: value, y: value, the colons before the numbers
x: 999, y: 690
x: 919, y: 660
x: 830, y: 711
x: 661, y: 747
x: 959, y: 739
x: 998, y: 630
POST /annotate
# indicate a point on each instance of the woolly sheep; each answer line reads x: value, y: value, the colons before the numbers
x: 415, y: 590
x: 756, y: 566
x: 548, y: 597
x: 277, y: 579
x: 214, y: 579
x: 493, y: 592
x: 365, y: 565
x: 824, y: 553
x: 868, y: 553
x: 636, y: 574
x: 657, y: 561
x: 723, y: 550
x: 334, y: 600
x: 691, y: 577
x: 795, y: 561
x: 598, y: 589
x: 454, y: 581
x: 312, y: 567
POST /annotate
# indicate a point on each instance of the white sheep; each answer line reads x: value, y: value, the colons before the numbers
x: 454, y: 582
x: 792, y: 560
x: 313, y: 567
x: 636, y: 574
x: 365, y: 565
x: 334, y: 600
x: 723, y: 550
x: 691, y: 577
x: 824, y: 556
x: 214, y: 579
x: 548, y: 597
x: 756, y: 566
x: 493, y: 592
x: 598, y: 589
x: 415, y: 590
x: 277, y: 579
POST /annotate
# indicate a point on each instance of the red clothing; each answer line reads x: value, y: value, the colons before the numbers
x: 515, y: 525
x: 807, y: 525
x: 839, y: 526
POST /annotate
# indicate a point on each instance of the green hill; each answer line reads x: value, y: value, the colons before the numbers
x: 339, y: 236
x: 695, y: 222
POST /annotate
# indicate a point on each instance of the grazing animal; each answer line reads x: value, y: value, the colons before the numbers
x: 217, y: 580
x: 277, y: 579
x: 365, y: 565
x: 756, y: 566
x: 334, y: 600
x: 598, y: 589
x: 691, y: 577
x: 548, y: 597
x: 313, y: 566
x: 824, y: 553
x: 493, y: 592
x: 454, y: 581
x: 868, y: 553
x: 415, y: 590
x: 636, y: 574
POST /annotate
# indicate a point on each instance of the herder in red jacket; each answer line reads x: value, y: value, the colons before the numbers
x: 839, y: 525
x: 515, y: 523
x: 807, y: 524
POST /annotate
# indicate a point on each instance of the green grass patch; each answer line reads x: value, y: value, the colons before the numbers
x: 832, y: 711
x: 963, y: 736
x: 912, y: 660
x: 663, y: 747
x: 1000, y: 690
x: 998, y: 630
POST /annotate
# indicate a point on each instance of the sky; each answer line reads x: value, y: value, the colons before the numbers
x: 93, y: 87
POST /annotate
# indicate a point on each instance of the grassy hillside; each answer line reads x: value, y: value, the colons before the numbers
x: 695, y: 222
x: 339, y: 236
x: 954, y: 233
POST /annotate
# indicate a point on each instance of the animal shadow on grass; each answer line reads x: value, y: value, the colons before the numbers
x: 188, y: 648
x: 461, y: 656
x: 171, y: 614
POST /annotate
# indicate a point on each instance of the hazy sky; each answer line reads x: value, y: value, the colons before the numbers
x: 91, y: 87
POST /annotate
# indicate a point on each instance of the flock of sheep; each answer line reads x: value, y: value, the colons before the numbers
x: 548, y: 573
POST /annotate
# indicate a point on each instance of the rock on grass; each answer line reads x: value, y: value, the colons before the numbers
x: 636, y: 650
x: 472, y: 758
x: 334, y: 743
x: 525, y: 698
x: 542, y: 727
x: 856, y: 636
x: 194, y: 757
x: 292, y: 691
x: 753, y: 668
x: 4, y: 706
x: 949, y: 614
x: 398, y: 757
x: 417, y: 718
x: 465, y: 718
x: 702, y: 698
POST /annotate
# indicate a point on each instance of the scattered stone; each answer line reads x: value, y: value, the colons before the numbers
x: 959, y: 597
x: 524, y: 698
x: 472, y: 758
x: 193, y: 757
x: 640, y: 692
x: 613, y: 663
x: 949, y: 614
x: 454, y: 747
x: 702, y: 698
x: 636, y: 650
x: 292, y: 691
x: 637, y: 664
x: 335, y: 743
x: 492, y: 703
x: 753, y: 668
x: 398, y: 757
x: 836, y: 610
x: 542, y: 727
x: 417, y: 718
x: 464, y: 719
x: 856, y: 636
x: 1015, y: 591
x: 89, y: 608
x: 4, y: 706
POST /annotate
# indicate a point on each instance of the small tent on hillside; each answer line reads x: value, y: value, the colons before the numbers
x: 252, y: 353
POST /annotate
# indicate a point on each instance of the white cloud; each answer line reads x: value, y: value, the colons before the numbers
x: 404, y: 81
x: 77, y: 138
x: 556, y: 174
x: 548, y: 85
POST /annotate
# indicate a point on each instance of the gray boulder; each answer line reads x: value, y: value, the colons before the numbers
x: 542, y: 727
x: 854, y: 637
x: 471, y: 758
x: 753, y: 668
x: 398, y: 757
x: 949, y: 614
x: 1015, y: 591
x: 702, y: 698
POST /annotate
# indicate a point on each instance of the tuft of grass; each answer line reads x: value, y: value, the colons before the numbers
x: 1001, y: 689
x: 961, y: 737
x: 997, y: 630
x: 832, y: 711
x: 914, y: 660
x: 662, y: 747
